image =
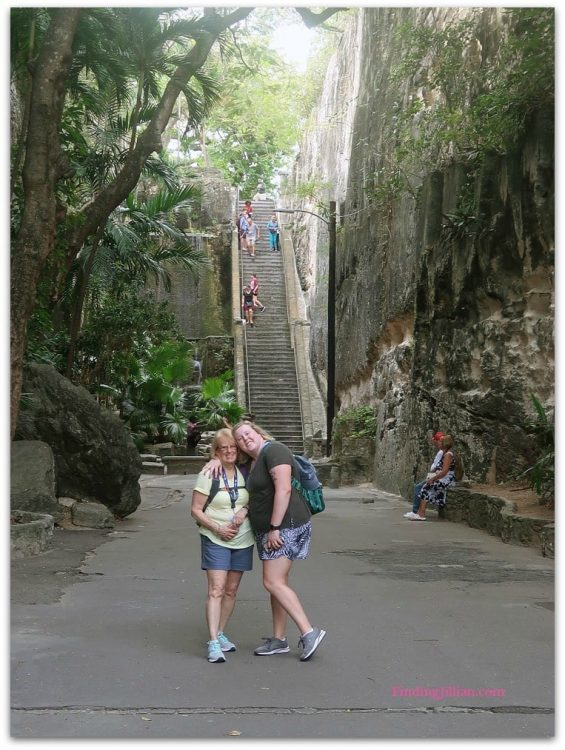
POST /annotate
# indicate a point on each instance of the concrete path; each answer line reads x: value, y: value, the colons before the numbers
x: 117, y: 649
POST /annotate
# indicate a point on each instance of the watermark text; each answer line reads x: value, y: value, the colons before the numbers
x: 441, y: 692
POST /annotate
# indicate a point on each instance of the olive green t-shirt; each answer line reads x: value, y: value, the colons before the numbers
x: 262, y: 490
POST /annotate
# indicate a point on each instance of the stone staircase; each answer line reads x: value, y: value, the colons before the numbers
x: 273, y: 390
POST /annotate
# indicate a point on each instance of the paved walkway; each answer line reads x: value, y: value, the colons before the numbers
x: 114, y: 646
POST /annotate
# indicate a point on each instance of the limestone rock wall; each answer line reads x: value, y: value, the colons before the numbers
x: 323, y: 164
x: 201, y: 301
x: 434, y: 332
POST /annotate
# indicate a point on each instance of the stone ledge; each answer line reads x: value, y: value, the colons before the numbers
x: 499, y: 518
x: 328, y: 472
x: 184, y: 464
x: 30, y: 533
x: 153, y: 467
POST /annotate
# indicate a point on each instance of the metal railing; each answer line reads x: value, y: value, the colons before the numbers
x: 288, y: 290
x: 236, y: 289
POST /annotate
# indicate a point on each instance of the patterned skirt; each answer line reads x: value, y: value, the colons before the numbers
x: 296, y: 543
x: 436, y: 493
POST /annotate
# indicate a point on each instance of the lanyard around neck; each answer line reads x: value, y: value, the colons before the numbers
x: 232, y: 491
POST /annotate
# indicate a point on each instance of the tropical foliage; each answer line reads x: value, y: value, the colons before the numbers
x: 150, y: 401
x: 256, y: 124
x: 105, y: 81
x: 93, y: 92
x: 541, y: 475
x: 476, y: 101
x: 217, y: 402
x: 361, y: 421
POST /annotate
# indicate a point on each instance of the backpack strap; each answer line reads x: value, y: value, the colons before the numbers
x: 215, y: 486
x: 213, y: 492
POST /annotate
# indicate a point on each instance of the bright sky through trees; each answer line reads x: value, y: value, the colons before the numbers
x: 293, y: 41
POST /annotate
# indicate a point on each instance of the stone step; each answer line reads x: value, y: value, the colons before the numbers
x: 274, y: 394
x: 294, y: 433
x: 263, y: 358
x: 271, y: 407
x: 285, y: 398
x: 283, y: 393
x: 276, y: 408
x: 153, y: 467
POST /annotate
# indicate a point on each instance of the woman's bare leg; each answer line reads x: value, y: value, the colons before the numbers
x: 283, y: 598
x: 216, y: 590
x: 228, y: 600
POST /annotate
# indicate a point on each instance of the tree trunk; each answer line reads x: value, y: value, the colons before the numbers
x: 98, y: 211
x: 76, y: 317
x: 43, y: 167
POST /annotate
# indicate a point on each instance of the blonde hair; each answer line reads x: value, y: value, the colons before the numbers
x: 447, y: 442
x: 248, y: 423
x: 226, y: 433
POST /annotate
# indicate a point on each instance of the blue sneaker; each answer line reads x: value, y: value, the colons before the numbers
x: 225, y: 643
x: 215, y: 654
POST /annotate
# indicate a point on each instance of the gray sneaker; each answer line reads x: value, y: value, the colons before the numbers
x: 272, y: 646
x: 310, y: 642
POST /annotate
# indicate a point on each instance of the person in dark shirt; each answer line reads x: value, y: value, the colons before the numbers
x: 281, y: 522
x: 247, y: 304
x: 193, y: 435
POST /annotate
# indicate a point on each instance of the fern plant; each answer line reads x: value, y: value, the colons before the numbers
x: 541, y: 475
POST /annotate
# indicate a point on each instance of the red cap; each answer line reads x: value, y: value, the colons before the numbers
x: 438, y: 436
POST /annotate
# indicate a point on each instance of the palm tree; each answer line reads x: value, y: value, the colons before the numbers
x: 151, y: 401
x: 217, y: 401
x: 68, y: 53
x: 140, y: 238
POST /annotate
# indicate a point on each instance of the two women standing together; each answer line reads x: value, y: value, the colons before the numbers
x: 255, y: 501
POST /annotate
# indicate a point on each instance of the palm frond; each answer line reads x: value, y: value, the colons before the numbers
x: 157, y: 168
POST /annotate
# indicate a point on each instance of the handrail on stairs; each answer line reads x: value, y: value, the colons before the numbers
x: 243, y: 325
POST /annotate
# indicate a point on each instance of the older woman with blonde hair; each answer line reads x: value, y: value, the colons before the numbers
x: 220, y: 507
x: 434, y: 491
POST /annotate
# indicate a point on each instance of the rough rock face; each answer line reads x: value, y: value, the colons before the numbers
x: 201, y: 301
x: 32, y: 478
x: 435, y: 331
x: 95, y: 458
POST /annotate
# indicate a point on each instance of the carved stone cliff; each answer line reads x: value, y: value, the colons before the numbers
x: 437, y: 328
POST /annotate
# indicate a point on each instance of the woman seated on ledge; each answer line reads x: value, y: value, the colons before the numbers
x: 434, y: 490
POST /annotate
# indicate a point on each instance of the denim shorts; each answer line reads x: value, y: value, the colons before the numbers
x: 216, y: 557
x: 296, y: 543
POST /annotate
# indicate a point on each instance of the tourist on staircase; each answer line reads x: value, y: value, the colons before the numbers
x: 274, y: 231
x: 254, y: 286
x: 247, y: 305
x: 252, y: 236
x: 261, y: 194
x: 242, y: 229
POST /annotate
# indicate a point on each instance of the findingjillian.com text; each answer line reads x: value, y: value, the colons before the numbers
x: 441, y: 692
